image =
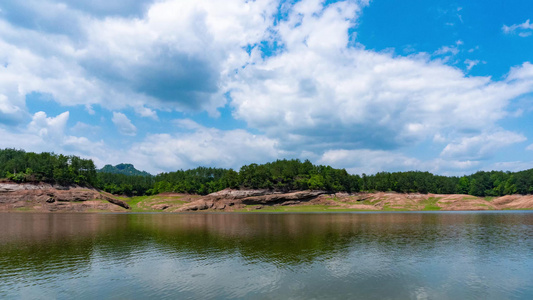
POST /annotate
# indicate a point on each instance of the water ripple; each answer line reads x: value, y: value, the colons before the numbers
x: 370, y: 256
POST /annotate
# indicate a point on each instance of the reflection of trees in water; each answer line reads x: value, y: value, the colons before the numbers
x: 53, y: 242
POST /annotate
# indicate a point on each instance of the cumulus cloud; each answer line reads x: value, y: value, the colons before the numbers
x: 513, y: 166
x: 361, y: 161
x: 482, y: 145
x: 202, y: 146
x: 48, y: 134
x: 530, y: 147
x: 104, y: 8
x: 9, y: 113
x: 24, y: 70
x: 47, y: 16
x: 369, y: 161
x: 319, y: 93
x: 123, y: 124
x: 524, y: 29
x: 84, y: 128
x: 173, y: 55
x: 48, y: 128
x: 292, y: 72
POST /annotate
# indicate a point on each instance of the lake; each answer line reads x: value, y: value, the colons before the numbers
x: 396, y: 255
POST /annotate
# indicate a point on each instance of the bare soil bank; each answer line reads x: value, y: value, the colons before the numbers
x: 44, y: 197
x: 231, y: 200
x: 49, y: 198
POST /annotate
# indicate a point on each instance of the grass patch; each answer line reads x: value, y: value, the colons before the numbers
x: 489, y: 198
x: 334, y: 198
x: 134, y: 201
x: 144, y: 203
x: 431, y: 203
x: 367, y: 202
x: 25, y: 208
x: 298, y: 208
x: 484, y: 205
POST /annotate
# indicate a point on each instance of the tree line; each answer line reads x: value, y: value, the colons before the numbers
x: 21, y: 166
x: 281, y: 175
x: 481, y: 184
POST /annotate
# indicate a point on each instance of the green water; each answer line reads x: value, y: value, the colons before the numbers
x: 470, y: 255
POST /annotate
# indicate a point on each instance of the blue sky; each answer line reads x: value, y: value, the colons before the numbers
x: 368, y: 86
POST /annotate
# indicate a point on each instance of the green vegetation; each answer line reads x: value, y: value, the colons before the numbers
x: 126, y: 169
x: 145, y: 203
x: 299, y: 208
x: 431, y: 204
x: 121, y: 184
x: 281, y: 175
x: 21, y: 166
x: 480, y: 184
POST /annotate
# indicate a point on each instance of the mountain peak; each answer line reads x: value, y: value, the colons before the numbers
x: 126, y: 169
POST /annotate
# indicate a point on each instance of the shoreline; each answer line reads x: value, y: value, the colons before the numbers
x: 206, y: 212
x: 54, y: 199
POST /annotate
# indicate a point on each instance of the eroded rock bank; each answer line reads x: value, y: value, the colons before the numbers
x: 50, y: 198
x: 231, y: 200
x: 43, y: 197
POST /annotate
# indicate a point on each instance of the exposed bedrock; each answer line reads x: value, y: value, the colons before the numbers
x: 239, y: 198
x: 47, y: 197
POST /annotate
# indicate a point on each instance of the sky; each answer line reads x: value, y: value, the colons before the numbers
x: 369, y: 86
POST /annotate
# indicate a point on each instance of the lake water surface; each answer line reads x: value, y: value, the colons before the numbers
x: 466, y: 255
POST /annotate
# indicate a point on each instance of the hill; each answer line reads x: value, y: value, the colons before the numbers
x: 126, y: 169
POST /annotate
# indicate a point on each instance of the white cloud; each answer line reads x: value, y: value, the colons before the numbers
x: 84, y: 128
x: 482, y: 145
x: 146, y: 112
x: 320, y: 94
x: 369, y: 161
x: 321, y: 91
x: 49, y: 128
x: 47, y: 134
x: 447, y: 50
x: 179, y: 54
x: 202, y: 147
x: 470, y: 64
x: 513, y: 166
x: 530, y: 147
x: 123, y: 124
x: 175, y: 54
x: 523, y: 30
x: 6, y: 107
x: 9, y: 113
x: 373, y: 161
x: 25, y: 70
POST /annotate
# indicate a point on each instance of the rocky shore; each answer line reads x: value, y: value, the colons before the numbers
x: 234, y: 199
x: 43, y: 197
x: 51, y: 198
x: 231, y: 200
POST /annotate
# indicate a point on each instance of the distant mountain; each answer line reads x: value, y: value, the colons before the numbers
x: 127, y: 169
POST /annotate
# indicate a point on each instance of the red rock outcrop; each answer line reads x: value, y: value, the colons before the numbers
x: 47, y: 197
x: 233, y: 199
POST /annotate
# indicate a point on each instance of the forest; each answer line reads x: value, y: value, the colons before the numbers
x: 281, y: 175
